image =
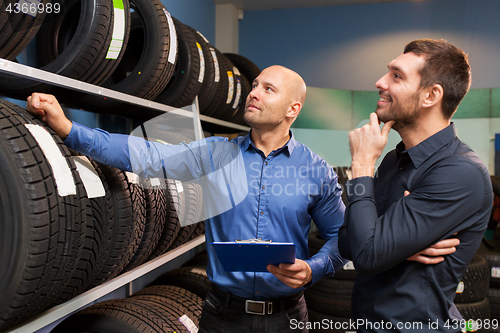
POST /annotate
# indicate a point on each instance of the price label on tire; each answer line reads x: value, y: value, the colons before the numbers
x: 349, y: 266
x: 460, y: 287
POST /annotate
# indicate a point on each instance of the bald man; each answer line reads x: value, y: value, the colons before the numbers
x: 285, y: 186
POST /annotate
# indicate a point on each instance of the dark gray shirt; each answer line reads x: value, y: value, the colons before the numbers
x: 450, y: 192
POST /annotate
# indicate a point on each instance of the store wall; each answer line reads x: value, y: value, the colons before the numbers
x: 198, y: 14
x: 329, y: 114
x: 341, y: 51
x: 348, y: 47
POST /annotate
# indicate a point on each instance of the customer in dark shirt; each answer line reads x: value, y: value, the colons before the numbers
x: 429, y: 188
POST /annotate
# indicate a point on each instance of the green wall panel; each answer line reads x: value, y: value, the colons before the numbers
x: 328, y: 115
x: 344, y: 109
x: 476, y: 104
x: 326, y: 109
x: 365, y: 102
x: 495, y: 102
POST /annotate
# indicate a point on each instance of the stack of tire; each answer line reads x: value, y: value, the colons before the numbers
x: 136, y: 48
x: 44, y: 215
x: 201, y: 259
x: 492, y: 256
x: 64, y: 231
x: 159, y: 309
x: 171, y: 303
x: 186, y: 201
x: 192, y: 278
x: 88, y: 49
x: 17, y: 30
x: 471, y: 296
x: 343, y: 175
x: 490, y: 250
x: 330, y: 298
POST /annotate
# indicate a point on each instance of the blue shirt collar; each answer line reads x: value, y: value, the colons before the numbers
x: 425, y: 149
x: 288, y: 147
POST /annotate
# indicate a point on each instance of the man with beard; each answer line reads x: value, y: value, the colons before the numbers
x: 288, y: 185
x: 431, y: 187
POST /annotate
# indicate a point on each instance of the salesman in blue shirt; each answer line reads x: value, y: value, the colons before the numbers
x: 262, y: 185
x: 429, y: 188
x: 286, y: 185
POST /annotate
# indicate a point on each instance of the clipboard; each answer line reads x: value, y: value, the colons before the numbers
x: 253, y: 255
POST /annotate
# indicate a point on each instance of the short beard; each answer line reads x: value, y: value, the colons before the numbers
x: 404, y: 114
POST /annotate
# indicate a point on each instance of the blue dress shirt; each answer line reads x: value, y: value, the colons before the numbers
x: 450, y: 193
x: 246, y: 195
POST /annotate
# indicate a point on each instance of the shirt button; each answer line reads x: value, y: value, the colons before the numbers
x: 256, y: 291
x: 265, y: 163
x: 263, y: 186
x: 261, y: 213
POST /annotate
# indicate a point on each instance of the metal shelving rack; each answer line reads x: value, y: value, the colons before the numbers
x: 126, y: 283
x: 48, y: 319
x: 191, y: 111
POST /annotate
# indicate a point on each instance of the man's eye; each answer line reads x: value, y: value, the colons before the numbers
x: 396, y: 76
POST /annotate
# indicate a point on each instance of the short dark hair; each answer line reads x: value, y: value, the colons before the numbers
x: 446, y: 65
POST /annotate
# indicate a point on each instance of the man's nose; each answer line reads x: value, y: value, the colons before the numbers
x: 381, y: 84
x: 254, y: 93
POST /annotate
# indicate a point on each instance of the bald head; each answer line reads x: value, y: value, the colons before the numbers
x: 292, y: 82
x: 275, y: 101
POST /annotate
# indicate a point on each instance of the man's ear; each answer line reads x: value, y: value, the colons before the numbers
x: 433, y: 95
x: 294, y: 109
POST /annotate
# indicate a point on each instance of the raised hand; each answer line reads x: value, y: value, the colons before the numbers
x: 366, y: 145
x: 47, y: 108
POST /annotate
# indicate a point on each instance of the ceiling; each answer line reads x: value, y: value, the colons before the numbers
x: 279, y: 4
